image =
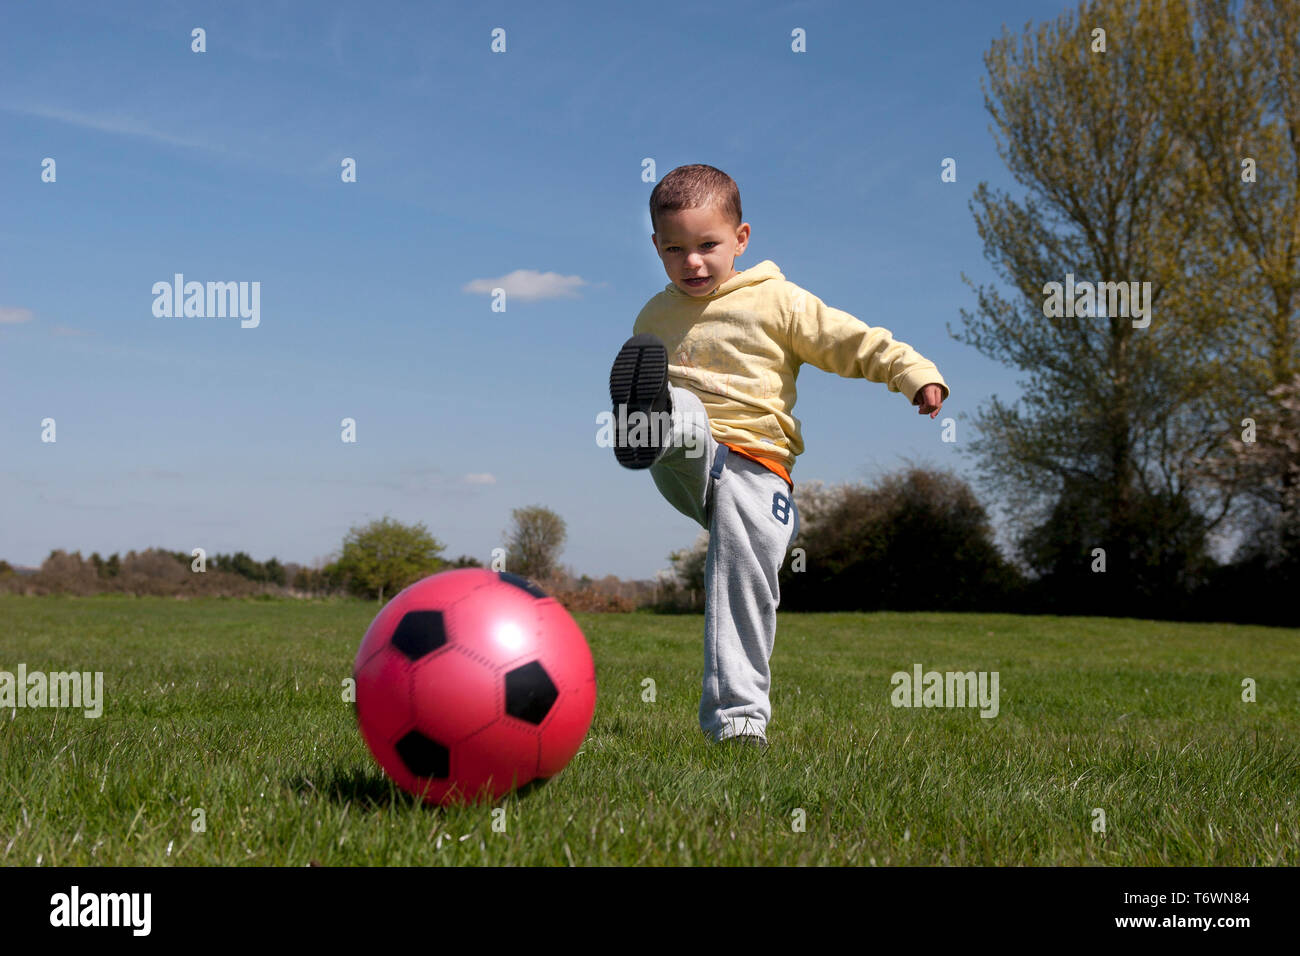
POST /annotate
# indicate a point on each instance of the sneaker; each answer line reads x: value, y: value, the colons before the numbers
x: 638, y: 382
x: 746, y: 741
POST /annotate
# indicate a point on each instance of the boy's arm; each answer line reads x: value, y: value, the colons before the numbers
x: 835, y: 341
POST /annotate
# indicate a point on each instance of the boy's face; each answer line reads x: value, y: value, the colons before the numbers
x: 699, y: 243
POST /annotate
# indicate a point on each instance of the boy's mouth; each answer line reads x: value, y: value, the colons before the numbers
x: 696, y: 283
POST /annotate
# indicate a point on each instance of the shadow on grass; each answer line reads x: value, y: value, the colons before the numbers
x: 373, y: 791
x: 352, y: 786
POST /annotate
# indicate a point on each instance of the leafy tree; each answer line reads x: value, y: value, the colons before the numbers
x: 465, y: 561
x: 242, y: 564
x: 332, y: 579
x: 273, y: 572
x: 535, y: 541
x: 1234, y: 97
x: 316, y: 581
x: 1115, y: 194
x: 385, y: 556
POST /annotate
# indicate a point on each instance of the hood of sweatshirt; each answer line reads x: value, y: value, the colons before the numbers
x: 753, y: 276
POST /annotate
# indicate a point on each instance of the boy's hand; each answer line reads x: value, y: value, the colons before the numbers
x: 930, y: 398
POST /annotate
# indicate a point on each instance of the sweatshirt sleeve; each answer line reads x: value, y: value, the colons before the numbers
x: 835, y: 341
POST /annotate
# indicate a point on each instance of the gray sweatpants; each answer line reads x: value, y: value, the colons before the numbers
x: 751, y: 519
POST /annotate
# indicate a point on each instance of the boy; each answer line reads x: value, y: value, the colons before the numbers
x: 711, y: 368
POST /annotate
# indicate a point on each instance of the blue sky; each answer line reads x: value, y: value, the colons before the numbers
x: 471, y: 165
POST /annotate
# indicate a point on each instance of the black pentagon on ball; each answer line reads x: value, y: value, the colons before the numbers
x: 523, y: 583
x: 419, y: 633
x: 529, y: 693
x: 424, y: 757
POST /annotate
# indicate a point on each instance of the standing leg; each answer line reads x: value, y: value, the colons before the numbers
x: 752, y: 521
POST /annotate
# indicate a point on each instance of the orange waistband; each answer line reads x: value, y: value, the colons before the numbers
x: 765, y: 462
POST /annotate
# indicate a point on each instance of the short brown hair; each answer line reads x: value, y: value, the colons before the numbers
x: 691, y: 187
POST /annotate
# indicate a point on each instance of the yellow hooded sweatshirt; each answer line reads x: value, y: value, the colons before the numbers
x: 739, y: 350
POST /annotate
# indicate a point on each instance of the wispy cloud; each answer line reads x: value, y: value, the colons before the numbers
x: 530, y: 285
x: 12, y: 315
x: 481, y: 478
x: 117, y: 123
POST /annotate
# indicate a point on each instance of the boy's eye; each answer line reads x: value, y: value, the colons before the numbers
x: 679, y: 248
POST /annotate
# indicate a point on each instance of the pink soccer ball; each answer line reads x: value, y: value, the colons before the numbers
x: 471, y: 683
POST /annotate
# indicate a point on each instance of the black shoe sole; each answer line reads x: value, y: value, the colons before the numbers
x: 639, y: 381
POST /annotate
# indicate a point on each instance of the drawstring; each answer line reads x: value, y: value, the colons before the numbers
x: 719, y: 458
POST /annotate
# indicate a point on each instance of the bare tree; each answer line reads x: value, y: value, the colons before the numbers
x: 534, y: 542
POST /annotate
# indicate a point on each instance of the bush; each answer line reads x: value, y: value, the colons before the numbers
x: 588, y: 600
x: 682, y: 590
x: 1155, y: 554
x: 916, y: 540
x: 64, y: 573
x: 150, y: 572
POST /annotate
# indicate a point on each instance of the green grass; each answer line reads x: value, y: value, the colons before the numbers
x: 235, y: 707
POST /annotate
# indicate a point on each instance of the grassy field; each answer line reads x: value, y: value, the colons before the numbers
x: 235, y: 708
